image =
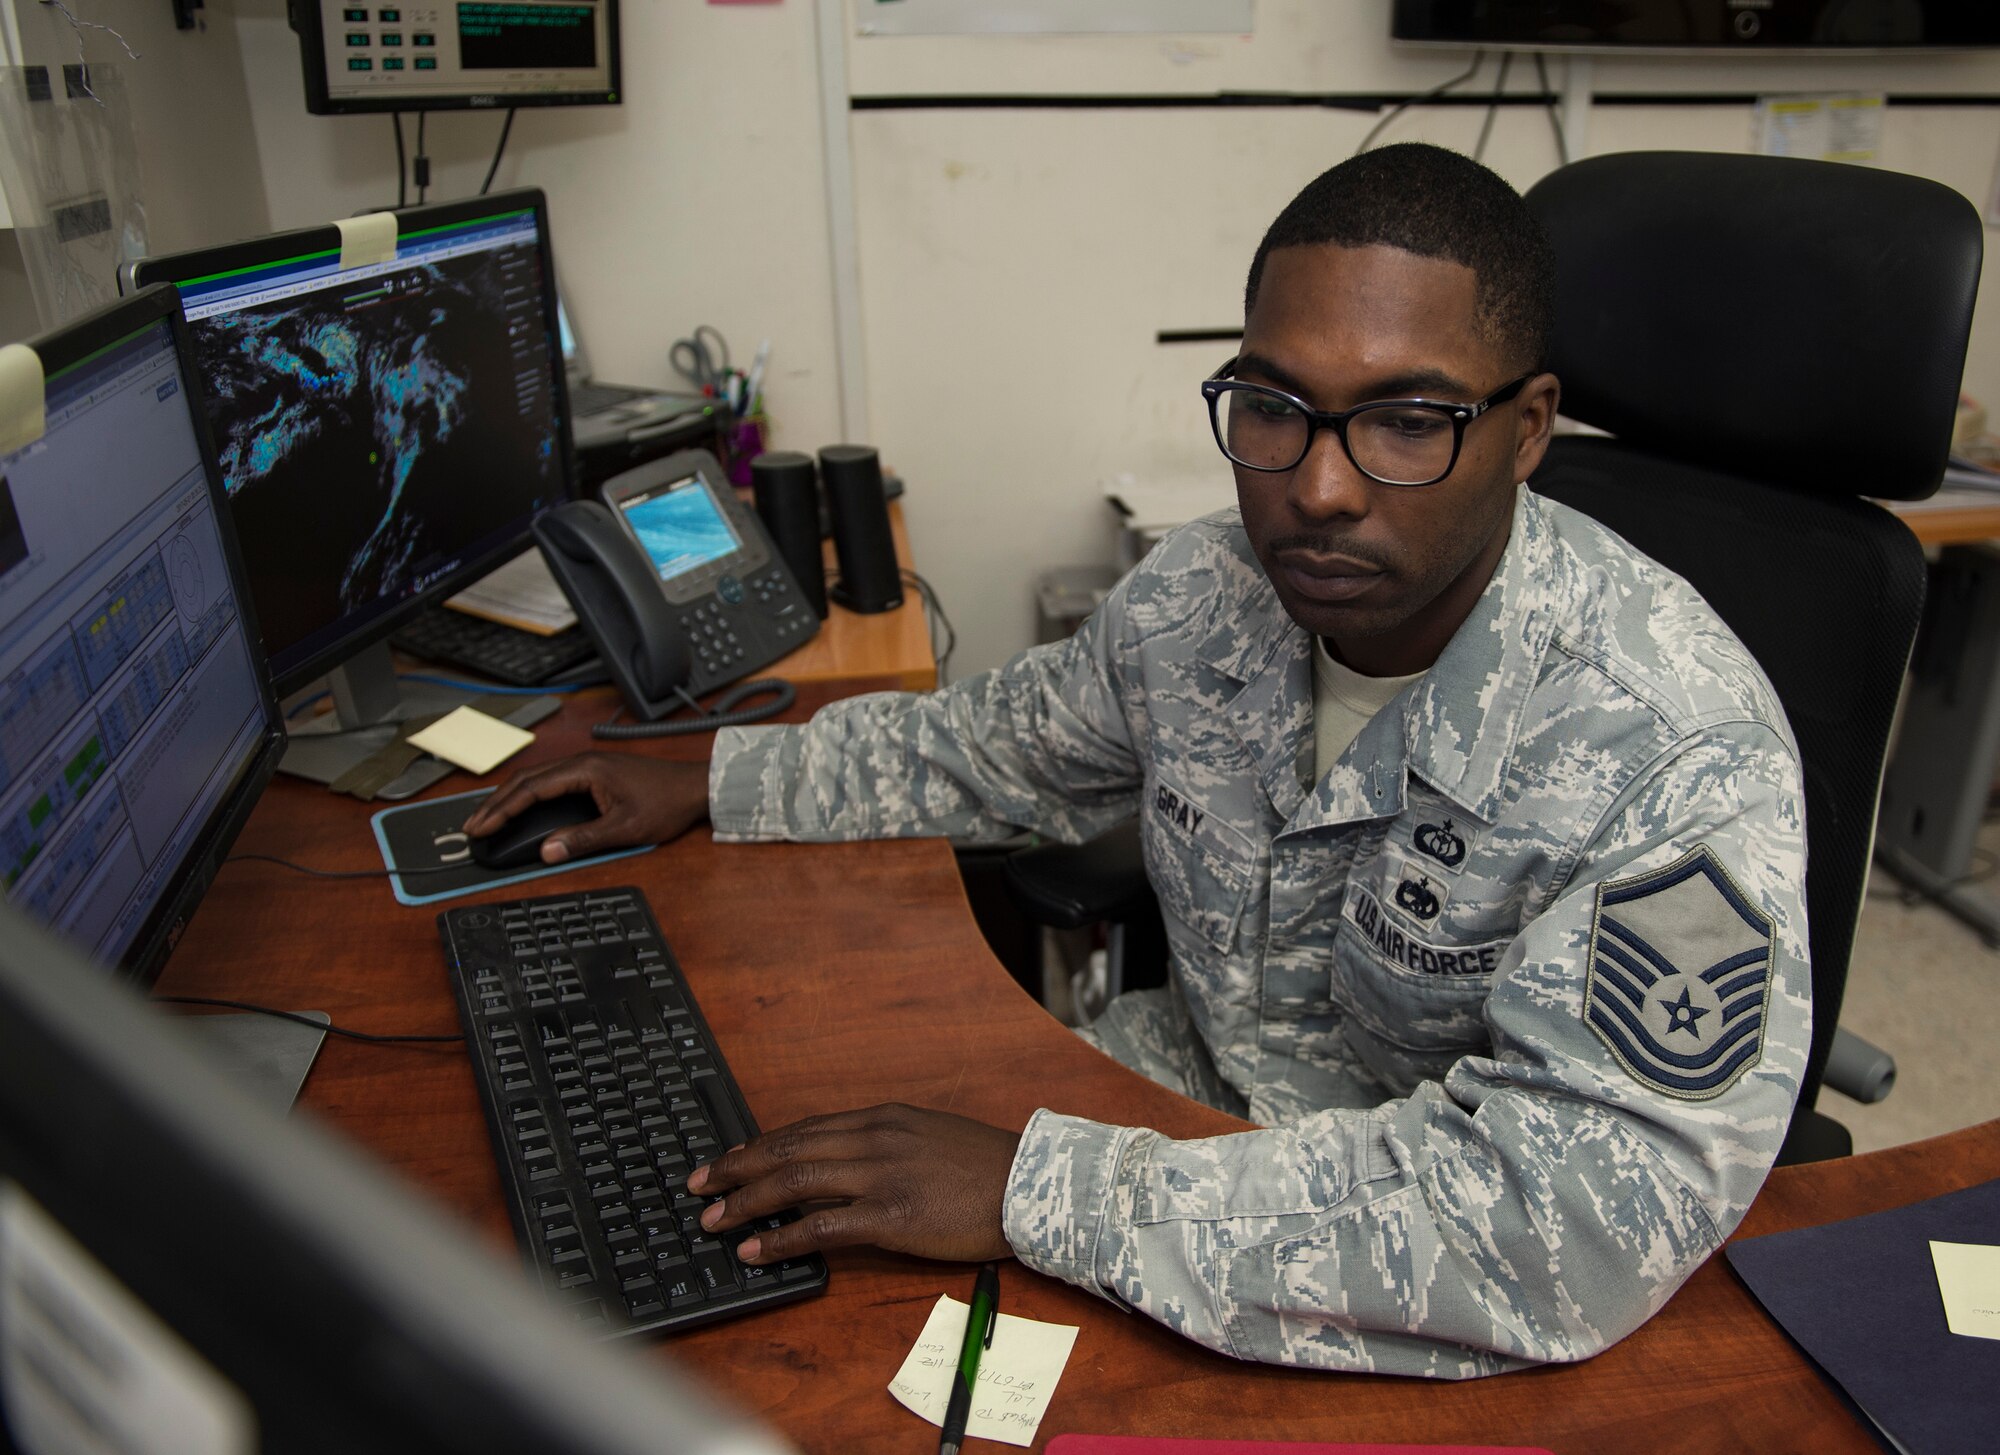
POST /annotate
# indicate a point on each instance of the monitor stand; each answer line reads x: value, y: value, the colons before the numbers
x: 268, y: 1055
x: 370, y: 705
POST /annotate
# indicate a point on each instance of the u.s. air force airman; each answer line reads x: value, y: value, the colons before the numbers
x: 1509, y: 967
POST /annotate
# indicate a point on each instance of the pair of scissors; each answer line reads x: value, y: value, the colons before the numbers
x: 703, y: 360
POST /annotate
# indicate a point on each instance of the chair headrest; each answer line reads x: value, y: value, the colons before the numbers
x: 1800, y: 322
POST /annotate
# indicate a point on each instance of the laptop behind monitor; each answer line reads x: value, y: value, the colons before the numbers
x: 608, y: 416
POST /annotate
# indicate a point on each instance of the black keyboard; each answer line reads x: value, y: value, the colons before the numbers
x: 603, y: 1088
x: 504, y: 653
x: 593, y: 398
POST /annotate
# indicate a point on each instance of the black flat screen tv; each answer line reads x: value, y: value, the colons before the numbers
x: 1755, y: 26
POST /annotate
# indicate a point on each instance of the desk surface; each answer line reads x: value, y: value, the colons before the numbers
x: 1952, y: 517
x: 841, y: 976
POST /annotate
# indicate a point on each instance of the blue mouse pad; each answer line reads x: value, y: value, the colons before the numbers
x: 429, y: 838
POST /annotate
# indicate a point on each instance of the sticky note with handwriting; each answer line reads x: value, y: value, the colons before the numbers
x: 1968, y: 1276
x: 1016, y: 1376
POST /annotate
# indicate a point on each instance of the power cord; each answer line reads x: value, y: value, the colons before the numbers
x: 724, y: 714
x: 1493, y: 106
x: 498, y: 152
x: 1549, y: 105
x: 1478, y: 59
x: 934, y: 618
x: 297, y: 867
x: 402, y: 165
x: 306, y: 1020
x: 420, y: 167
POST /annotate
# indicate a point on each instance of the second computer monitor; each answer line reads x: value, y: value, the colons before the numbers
x: 136, y: 730
x: 387, y: 429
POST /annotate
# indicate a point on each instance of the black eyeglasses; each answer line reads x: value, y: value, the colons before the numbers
x: 1391, y: 441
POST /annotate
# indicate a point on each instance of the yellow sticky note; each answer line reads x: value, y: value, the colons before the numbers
x: 469, y: 739
x: 1968, y: 1276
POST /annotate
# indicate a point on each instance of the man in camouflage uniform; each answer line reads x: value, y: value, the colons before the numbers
x: 1479, y: 840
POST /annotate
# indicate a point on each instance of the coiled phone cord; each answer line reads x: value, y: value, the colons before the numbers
x: 726, y: 713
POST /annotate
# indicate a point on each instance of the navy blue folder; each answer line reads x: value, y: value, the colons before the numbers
x: 1861, y: 1297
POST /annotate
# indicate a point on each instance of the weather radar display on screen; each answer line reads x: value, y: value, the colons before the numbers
x: 375, y: 426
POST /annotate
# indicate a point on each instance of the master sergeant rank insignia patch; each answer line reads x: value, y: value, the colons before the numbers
x: 1680, y: 976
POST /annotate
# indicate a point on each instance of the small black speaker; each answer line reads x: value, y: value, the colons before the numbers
x: 787, y: 494
x: 869, y: 578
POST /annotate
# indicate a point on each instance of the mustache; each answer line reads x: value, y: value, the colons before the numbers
x: 1326, y: 543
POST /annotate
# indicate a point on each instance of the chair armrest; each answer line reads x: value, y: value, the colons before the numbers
x: 1068, y: 886
x: 1858, y: 1068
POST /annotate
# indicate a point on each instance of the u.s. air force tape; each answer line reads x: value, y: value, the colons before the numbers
x: 22, y: 408
x: 369, y: 238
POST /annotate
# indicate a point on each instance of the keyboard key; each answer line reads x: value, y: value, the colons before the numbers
x: 717, y: 1271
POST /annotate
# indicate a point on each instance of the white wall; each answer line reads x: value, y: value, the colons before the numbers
x: 1017, y: 263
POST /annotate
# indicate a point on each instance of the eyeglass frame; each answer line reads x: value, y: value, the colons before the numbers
x: 1221, y: 382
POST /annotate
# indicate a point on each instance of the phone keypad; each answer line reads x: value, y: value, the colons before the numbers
x: 712, y: 635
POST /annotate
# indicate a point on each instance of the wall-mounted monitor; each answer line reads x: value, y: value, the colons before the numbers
x: 444, y: 55
x: 1759, y: 26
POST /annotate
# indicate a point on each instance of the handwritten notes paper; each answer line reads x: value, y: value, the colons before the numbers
x: 1968, y: 1276
x: 1017, y: 1375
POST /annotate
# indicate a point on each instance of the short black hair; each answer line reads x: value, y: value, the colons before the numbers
x: 1437, y: 204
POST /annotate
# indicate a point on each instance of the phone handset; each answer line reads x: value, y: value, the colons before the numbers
x: 618, y: 600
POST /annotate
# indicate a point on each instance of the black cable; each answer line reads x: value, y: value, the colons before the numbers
x: 305, y: 1020
x: 934, y: 608
x: 1478, y: 58
x: 420, y: 169
x: 1549, y: 104
x: 342, y: 873
x: 1493, y: 106
x: 498, y: 152
x: 722, y: 715
x: 402, y: 167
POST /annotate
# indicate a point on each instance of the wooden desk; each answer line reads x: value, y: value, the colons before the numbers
x: 1951, y: 517
x: 842, y: 976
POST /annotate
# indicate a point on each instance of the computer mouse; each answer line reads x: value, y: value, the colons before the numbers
x: 517, y: 843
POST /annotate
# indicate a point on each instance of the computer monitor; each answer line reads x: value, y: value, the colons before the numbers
x: 136, y: 724
x: 175, y: 1259
x: 471, y: 54
x: 386, y: 429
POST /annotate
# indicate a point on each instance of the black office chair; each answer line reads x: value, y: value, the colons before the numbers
x: 1769, y: 341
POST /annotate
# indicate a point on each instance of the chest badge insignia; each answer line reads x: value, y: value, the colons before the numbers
x: 1417, y: 896
x: 1680, y: 976
x: 1440, y: 843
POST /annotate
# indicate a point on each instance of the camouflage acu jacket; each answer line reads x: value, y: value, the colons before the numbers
x: 1517, y: 989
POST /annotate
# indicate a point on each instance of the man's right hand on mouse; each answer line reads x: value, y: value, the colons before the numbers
x: 639, y: 801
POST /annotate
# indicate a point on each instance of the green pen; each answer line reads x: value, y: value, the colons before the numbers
x: 980, y: 1322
